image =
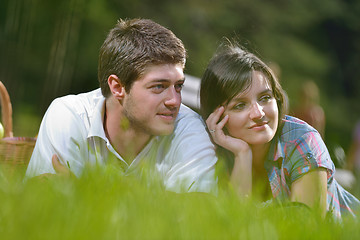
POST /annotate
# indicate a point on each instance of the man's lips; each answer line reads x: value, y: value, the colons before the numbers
x: 168, y: 115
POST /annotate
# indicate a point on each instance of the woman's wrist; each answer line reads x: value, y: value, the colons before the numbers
x: 244, y: 155
x: 241, y: 175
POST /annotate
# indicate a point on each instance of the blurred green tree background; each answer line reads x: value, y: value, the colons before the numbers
x: 50, y: 48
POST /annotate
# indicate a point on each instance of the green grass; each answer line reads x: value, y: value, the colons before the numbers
x: 106, y: 204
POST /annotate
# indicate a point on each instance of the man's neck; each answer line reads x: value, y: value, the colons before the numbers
x: 128, y: 142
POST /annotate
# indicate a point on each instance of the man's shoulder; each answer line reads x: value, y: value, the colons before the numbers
x: 78, y: 103
x: 73, y: 111
x: 186, y: 112
x: 188, y: 122
x: 188, y: 116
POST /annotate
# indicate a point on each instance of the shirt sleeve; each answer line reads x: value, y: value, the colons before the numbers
x: 61, y: 133
x: 308, y: 154
x: 193, y: 159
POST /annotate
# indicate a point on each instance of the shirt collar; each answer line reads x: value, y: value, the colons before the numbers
x: 276, y: 151
x: 97, y: 120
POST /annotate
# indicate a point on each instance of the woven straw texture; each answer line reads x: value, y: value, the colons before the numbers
x: 15, y: 152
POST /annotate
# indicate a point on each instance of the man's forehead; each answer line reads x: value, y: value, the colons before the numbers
x: 163, y: 72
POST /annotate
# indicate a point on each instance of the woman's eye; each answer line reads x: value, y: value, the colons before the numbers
x: 239, y: 106
x: 266, y: 98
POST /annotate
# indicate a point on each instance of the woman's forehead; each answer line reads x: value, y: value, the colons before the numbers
x: 258, y: 83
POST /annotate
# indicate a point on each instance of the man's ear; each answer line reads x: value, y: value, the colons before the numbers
x: 117, y: 89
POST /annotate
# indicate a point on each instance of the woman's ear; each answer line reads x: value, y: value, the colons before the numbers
x: 117, y: 89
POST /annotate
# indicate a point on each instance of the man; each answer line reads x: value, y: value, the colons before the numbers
x: 136, y: 118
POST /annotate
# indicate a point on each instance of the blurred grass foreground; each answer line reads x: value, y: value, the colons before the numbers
x: 106, y: 204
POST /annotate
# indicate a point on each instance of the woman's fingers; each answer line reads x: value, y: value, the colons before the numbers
x: 222, y: 123
x: 216, y: 125
x: 218, y: 130
x: 214, y: 118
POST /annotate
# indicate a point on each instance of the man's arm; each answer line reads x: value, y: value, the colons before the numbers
x: 61, y: 170
x: 60, y: 133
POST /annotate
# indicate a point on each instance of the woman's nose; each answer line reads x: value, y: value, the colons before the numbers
x: 256, y: 111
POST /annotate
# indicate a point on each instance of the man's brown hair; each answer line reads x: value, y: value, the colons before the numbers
x: 133, y: 45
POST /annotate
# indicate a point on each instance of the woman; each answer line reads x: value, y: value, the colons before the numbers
x: 245, y: 108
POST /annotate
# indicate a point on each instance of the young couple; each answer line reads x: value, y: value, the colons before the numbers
x: 137, y: 116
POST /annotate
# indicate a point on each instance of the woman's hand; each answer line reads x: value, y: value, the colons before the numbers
x: 215, y: 126
x: 241, y: 174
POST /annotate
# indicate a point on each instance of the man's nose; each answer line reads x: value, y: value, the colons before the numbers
x: 173, y: 97
x: 256, y: 111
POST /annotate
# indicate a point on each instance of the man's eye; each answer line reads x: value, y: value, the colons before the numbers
x: 158, y: 88
x: 178, y: 87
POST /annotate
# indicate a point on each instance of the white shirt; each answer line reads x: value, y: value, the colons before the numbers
x: 72, y: 128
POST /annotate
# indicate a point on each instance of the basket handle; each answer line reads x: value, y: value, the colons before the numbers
x: 6, y: 111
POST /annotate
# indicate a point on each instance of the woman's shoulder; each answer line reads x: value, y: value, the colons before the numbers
x: 295, y: 131
x: 302, y: 148
x: 293, y: 127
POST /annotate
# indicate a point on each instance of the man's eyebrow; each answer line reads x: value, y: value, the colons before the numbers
x: 166, y: 80
x: 181, y: 80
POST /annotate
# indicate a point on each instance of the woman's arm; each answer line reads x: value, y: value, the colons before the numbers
x: 241, y: 174
x: 311, y: 189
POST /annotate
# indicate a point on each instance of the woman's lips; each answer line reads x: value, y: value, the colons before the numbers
x: 258, y: 126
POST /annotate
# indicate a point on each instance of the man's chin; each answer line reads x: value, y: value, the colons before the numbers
x: 163, y: 131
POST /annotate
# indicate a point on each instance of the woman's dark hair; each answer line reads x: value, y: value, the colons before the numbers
x: 230, y: 72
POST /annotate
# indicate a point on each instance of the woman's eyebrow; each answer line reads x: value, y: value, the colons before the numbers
x: 268, y: 90
x: 236, y: 100
x: 241, y: 98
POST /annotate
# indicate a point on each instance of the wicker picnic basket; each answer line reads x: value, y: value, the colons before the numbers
x: 15, y: 152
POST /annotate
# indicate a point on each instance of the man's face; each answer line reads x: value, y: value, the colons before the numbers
x: 154, y: 99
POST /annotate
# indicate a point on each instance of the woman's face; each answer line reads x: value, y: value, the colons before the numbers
x: 253, y: 114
